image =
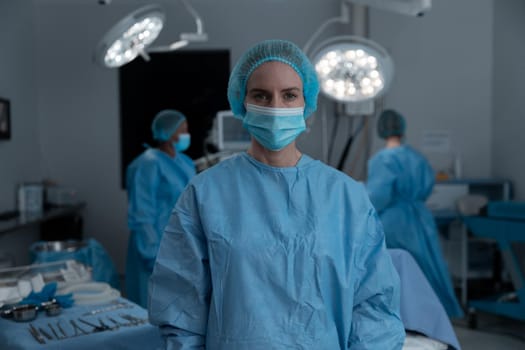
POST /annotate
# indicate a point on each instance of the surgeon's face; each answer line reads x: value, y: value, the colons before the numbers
x: 275, y: 84
x: 182, y: 129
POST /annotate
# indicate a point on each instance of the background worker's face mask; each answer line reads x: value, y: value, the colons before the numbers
x: 183, y: 143
x: 274, y: 128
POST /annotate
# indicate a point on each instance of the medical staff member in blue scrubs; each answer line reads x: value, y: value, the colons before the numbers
x: 399, y: 182
x: 271, y: 249
x: 154, y: 181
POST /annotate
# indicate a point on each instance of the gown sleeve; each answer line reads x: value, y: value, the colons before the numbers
x: 180, y: 285
x: 376, y: 322
x: 142, y: 185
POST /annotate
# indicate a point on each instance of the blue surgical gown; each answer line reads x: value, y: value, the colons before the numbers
x: 399, y: 182
x: 257, y: 257
x: 154, y: 183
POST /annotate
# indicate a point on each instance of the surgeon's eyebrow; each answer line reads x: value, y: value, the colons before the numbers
x: 257, y: 90
x: 290, y: 89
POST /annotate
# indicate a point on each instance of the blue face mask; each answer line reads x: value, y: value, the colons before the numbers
x: 183, y: 143
x: 274, y: 128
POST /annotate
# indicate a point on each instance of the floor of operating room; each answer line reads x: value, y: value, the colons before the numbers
x: 492, y: 332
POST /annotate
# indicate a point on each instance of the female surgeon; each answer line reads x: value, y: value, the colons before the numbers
x: 154, y: 181
x: 399, y: 181
x: 271, y: 249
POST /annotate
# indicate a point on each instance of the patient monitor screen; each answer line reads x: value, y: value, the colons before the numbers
x: 233, y: 131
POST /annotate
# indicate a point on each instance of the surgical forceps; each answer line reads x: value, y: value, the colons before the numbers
x: 61, y: 330
x: 47, y: 335
x: 132, y: 320
x: 101, y: 328
x: 77, y: 328
x: 38, y: 337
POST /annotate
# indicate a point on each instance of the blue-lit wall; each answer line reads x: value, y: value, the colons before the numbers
x: 443, y: 78
x: 508, y: 114
x: 21, y: 156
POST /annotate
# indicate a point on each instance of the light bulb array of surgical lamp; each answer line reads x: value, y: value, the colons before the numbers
x: 133, y: 35
x: 352, y: 69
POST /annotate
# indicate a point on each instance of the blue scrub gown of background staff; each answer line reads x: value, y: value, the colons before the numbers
x: 399, y: 182
x: 154, y: 182
x: 257, y: 257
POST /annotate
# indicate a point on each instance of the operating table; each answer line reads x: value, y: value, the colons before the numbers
x: 504, y: 223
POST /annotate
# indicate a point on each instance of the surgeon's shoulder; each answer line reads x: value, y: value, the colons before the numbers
x: 185, y: 158
x: 205, y: 184
x: 331, y: 175
x: 385, y: 155
x: 147, y: 161
x: 218, y: 172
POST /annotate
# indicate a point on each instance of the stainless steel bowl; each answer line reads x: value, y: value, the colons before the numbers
x: 53, y: 309
x: 59, y: 246
x: 24, y: 313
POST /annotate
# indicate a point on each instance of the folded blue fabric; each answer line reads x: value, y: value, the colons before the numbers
x: 48, y: 293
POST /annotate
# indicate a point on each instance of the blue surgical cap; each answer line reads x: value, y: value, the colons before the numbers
x: 266, y: 51
x: 166, y: 122
x: 390, y: 123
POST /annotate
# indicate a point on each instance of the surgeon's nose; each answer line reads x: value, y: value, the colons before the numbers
x: 277, y: 102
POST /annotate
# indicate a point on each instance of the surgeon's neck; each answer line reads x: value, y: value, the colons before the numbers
x: 167, y: 147
x: 393, y: 141
x: 286, y: 157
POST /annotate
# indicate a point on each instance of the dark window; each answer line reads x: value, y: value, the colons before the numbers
x: 193, y: 82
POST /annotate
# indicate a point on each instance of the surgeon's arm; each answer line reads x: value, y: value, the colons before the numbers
x: 143, y: 210
x: 180, y: 285
x: 376, y: 322
x: 380, y: 183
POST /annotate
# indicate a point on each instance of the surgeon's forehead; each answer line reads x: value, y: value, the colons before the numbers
x: 183, y: 126
x: 274, y: 74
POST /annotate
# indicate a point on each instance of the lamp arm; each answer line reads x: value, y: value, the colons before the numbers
x: 193, y: 12
x: 171, y: 47
x: 319, y: 30
x: 144, y: 55
x: 343, y: 18
x: 185, y: 38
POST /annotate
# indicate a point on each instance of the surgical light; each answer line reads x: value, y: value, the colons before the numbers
x: 130, y: 37
x: 352, y: 69
x: 133, y: 35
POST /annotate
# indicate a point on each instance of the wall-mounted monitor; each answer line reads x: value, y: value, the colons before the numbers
x: 229, y: 134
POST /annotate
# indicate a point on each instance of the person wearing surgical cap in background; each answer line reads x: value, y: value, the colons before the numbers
x: 154, y: 181
x: 399, y: 182
x: 271, y: 249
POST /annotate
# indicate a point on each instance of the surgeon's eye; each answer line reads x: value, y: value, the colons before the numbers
x: 290, y: 96
x: 261, y: 97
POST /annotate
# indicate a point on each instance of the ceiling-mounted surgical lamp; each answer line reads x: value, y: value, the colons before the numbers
x: 353, y: 69
x: 350, y: 68
x: 130, y: 37
x: 133, y: 35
